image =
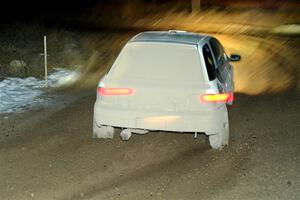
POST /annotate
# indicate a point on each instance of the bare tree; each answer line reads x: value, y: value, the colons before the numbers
x: 196, y: 5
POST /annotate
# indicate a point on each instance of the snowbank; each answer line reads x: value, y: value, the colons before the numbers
x: 19, y: 93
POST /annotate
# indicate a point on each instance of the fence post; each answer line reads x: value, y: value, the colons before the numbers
x: 45, y: 61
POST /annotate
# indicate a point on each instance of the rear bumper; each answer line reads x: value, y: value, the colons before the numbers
x: 210, y: 123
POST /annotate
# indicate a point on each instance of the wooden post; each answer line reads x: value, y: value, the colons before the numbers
x: 45, y: 61
x: 196, y: 6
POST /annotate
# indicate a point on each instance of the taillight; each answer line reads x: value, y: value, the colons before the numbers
x: 114, y: 91
x: 218, y: 98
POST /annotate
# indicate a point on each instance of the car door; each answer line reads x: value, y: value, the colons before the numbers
x: 224, y: 69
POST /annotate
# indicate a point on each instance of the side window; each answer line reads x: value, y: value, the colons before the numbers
x: 209, y: 62
x: 215, y: 48
x: 218, y: 51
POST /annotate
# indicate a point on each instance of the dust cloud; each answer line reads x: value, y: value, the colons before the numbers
x: 268, y: 65
x: 269, y: 62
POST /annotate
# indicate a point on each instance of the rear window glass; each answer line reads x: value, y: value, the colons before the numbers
x: 209, y: 62
x: 160, y: 61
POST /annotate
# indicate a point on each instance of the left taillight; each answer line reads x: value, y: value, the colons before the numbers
x: 114, y: 91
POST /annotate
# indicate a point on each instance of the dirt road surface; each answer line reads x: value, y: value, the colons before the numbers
x: 49, y: 154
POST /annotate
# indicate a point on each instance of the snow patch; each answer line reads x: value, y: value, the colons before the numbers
x: 62, y: 77
x: 19, y: 93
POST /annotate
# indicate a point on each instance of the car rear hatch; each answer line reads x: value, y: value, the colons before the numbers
x: 155, y: 77
x: 152, y: 97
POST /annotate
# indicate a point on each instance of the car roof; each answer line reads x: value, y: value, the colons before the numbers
x: 172, y: 36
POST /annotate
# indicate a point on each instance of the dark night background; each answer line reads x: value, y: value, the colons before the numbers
x: 55, y: 10
x: 35, y: 10
x: 46, y: 146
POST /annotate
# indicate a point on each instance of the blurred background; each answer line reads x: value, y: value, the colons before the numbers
x: 86, y: 36
x: 48, y: 152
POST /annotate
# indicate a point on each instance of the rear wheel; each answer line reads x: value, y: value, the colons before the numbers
x: 103, y: 131
x: 221, y: 139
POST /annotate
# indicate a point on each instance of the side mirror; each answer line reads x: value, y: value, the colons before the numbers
x: 235, y: 57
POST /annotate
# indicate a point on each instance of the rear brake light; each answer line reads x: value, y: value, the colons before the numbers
x: 114, y: 91
x: 218, y: 98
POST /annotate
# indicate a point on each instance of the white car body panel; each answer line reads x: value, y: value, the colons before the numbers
x: 167, y: 76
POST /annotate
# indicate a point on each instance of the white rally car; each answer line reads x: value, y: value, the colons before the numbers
x: 167, y: 81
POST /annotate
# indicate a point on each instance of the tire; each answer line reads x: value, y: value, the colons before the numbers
x: 221, y: 139
x: 105, y: 132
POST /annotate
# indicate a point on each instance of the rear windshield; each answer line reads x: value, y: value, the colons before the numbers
x: 158, y: 61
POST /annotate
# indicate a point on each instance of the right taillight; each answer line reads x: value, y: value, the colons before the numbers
x: 217, y: 98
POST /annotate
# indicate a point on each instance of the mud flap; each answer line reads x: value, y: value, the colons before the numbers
x: 105, y: 132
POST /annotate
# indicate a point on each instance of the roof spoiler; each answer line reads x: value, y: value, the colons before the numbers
x: 176, y: 31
